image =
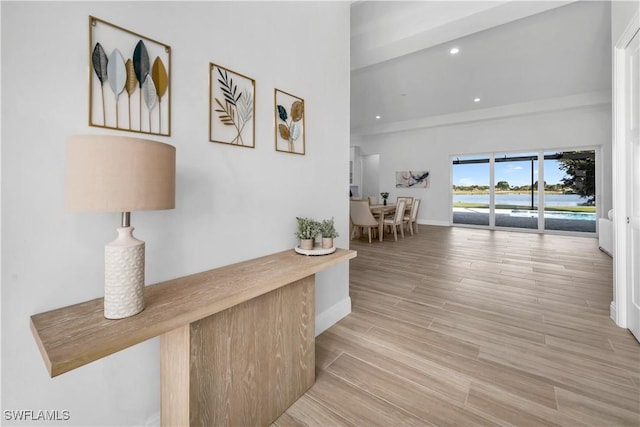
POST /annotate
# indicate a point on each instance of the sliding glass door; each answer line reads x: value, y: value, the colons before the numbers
x: 516, y: 190
x: 570, y: 194
x: 505, y: 190
x: 471, y: 196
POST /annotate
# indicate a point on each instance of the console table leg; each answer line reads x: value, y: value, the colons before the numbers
x: 174, y: 376
x: 242, y: 366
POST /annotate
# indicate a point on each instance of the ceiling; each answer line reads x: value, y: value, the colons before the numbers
x: 511, y: 52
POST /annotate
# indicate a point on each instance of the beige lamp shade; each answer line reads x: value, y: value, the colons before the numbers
x: 106, y: 173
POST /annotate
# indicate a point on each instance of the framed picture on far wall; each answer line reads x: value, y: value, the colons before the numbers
x: 289, y: 118
x: 412, y: 179
x: 232, y: 107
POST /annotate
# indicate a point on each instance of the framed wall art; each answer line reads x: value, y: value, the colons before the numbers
x: 289, y: 119
x: 232, y: 107
x: 129, y: 80
x: 412, y: 179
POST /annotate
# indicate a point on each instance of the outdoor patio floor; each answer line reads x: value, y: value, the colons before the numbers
x: 505, y: 220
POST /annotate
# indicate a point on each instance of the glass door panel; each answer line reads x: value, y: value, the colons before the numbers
x: 570, y: 189
x: 471, y: 180
x: 516, y: 190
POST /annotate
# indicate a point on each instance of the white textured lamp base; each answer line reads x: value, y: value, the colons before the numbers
x: 123, y: 275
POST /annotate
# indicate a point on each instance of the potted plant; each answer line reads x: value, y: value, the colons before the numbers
x: 307, y: 231
x: 328, y: 232
x: 385, y: 196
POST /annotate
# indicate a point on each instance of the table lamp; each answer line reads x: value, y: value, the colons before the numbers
x: 106, y: 173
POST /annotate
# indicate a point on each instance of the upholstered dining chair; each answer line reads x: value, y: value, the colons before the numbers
x: 362, y: 217
x: 397, y: 219
x: 409, y: 200
x: 412, y: 217
x: 373, y: 200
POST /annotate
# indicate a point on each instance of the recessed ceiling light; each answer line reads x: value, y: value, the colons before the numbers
x: 476, y: 99
x: 454, y: 50
x: 377, y: 117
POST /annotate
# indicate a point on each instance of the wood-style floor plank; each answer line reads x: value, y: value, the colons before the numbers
x: 469, y: 327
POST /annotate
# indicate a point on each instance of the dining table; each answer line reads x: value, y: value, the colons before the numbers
x: 380, y: 211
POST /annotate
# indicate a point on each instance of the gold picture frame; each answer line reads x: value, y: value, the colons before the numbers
x: 122, y: 63
x: 232, y: 106
x: 290, y: 114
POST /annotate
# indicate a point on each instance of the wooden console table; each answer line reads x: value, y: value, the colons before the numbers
x: 236, y: 342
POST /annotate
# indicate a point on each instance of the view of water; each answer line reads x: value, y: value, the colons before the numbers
x: 522, y: 199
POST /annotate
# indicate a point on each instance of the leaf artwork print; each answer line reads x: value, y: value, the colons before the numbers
x: 290, y: 131
x: 235, y: 109
x: 125, y: 62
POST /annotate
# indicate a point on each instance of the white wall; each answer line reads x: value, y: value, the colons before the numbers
x: 621, y: 13
x: 370, y: 176
x: 232, y: 203
x: 431, y: 148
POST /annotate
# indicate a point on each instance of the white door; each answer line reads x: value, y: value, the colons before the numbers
x: 632, y: 142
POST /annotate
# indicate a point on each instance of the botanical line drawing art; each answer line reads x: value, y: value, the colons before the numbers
x: 232, y: 106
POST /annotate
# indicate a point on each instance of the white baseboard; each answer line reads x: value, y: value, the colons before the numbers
x: 430, y: 222
x: 613, y: 313
x: 330, y: 316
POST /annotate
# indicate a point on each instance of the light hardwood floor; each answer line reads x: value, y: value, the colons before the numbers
x: 468, y: 327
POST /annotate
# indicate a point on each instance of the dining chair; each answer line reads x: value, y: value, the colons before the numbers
x: 373, y: 200
x: 412, y: 217
x: 397, y: 219
x: 362, y: 217
x: 409, y: 200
